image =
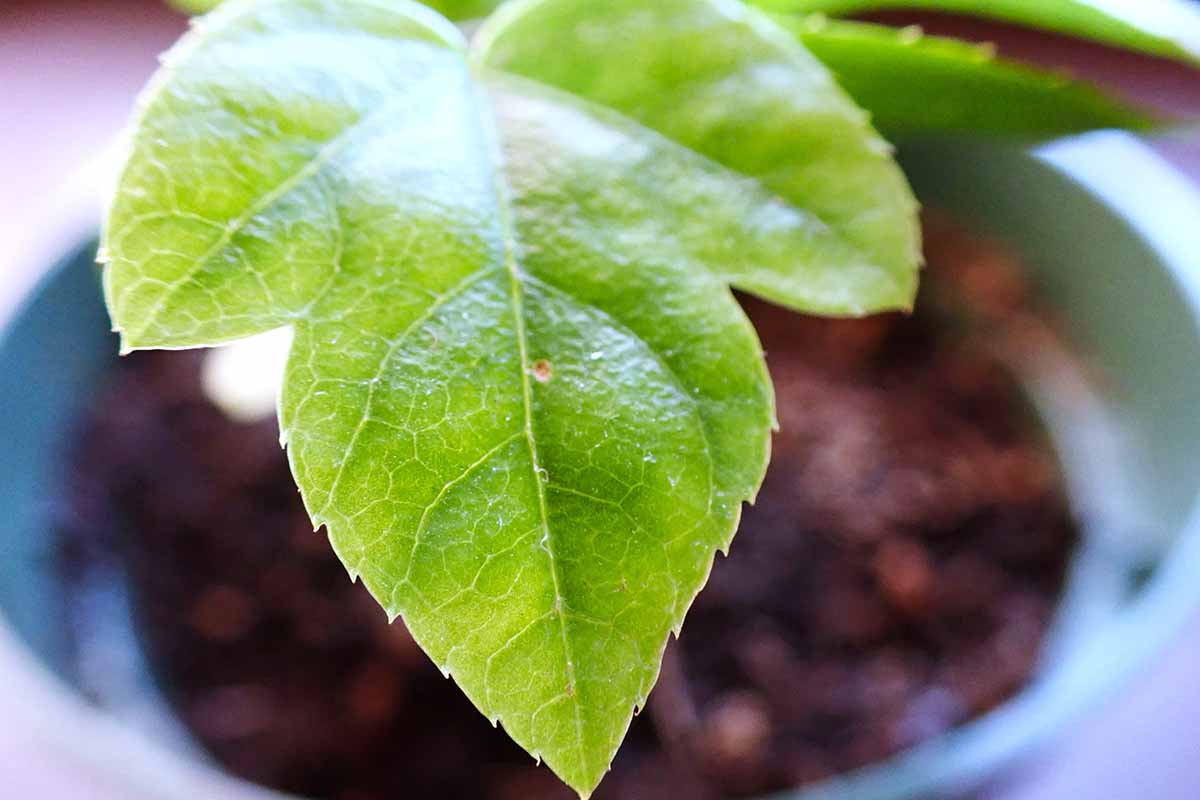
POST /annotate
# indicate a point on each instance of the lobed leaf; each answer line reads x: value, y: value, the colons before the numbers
x: 521, y: 397
x: 1165, y: 28
x: 950, y: 86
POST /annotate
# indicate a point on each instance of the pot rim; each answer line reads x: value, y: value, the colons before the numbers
x: 1099, y: 165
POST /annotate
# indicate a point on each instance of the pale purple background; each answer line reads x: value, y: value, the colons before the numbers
x: 69, y: 70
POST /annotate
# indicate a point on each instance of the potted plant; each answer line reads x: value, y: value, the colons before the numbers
x: 520, y: 395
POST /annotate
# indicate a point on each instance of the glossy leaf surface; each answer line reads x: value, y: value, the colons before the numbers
x: 521, y: 397
x: 726, y: 82
x: 1167, y: 28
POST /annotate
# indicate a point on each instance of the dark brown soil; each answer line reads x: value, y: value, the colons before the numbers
x: 895, y: 579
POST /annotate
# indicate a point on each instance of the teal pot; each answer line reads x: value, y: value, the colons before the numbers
x: 1112, y: 239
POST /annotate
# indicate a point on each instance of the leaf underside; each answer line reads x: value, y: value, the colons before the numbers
x: 521, y: 397
x: 1164, y: 28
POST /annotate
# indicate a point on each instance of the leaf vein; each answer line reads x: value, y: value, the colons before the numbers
x: 449, y: 296
x: 441, y: 496
x: 516, y: 297
x: 328, y: 151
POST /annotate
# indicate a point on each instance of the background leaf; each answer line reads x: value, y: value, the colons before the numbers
x: 521, y: 397
x: 1167, y: 28
x: 463, y: 9
x: 915, y: 84
x: 195, y: 6
x: 451, y: 9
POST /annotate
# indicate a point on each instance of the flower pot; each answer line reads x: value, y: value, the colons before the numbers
x: 1108, y: 233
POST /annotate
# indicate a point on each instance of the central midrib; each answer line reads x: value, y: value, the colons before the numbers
x: 516, y: 299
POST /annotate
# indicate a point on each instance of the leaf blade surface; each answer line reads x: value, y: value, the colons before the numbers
x: 728, y: 83
x: 521, y: 397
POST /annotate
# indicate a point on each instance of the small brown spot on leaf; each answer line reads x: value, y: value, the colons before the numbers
x: 543, y: 371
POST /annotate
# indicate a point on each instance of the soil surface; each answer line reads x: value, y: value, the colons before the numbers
x: 895, y: 579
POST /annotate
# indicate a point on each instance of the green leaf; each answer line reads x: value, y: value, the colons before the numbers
x: 194, y: 6
x: 521, y: 397
x: 1166, y: 28
x: 949, y: 86
x: 725, y: 81
x: 463, y: 9
x: 451, y: 9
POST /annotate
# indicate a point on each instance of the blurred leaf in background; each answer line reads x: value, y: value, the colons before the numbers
x: 917, y: 84
x: 451, y: 9
x: 194, y: 6
x: 1167, y: 28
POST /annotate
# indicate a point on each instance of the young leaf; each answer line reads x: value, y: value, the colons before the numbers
x: 1166, y: 28
x: 952, y: 86
x: 520, y: 397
